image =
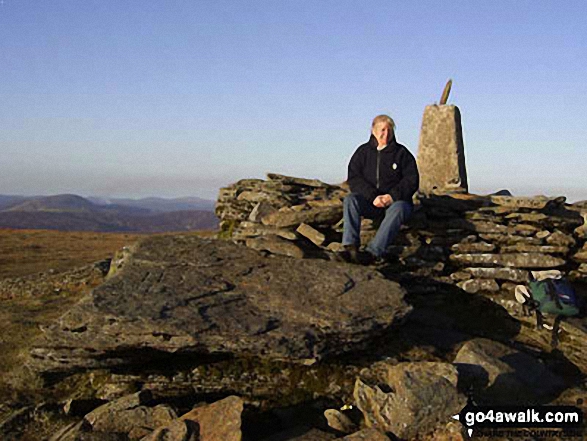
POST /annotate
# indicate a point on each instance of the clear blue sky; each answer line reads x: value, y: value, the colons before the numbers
x: 177, y: 98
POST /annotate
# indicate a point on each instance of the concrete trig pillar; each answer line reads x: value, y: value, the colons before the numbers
x: 441, y: 154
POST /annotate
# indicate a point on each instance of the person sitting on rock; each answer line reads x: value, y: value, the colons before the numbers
x: 383, y: 177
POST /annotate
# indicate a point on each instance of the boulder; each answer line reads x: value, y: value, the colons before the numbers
x: 385, y: 372
x: 411, y: 399
x: 315, y: 236
x: 196, y: 297
x: 219, y: 421
x: 127, y: 402
x: 129, y: 415
x: 335, y: 247
x: 339, y: 421
x: 275, y: 245
x: 503, y: 375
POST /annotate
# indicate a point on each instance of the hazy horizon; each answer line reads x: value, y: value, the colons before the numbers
x: 137, y: 99
x: 572, y: 196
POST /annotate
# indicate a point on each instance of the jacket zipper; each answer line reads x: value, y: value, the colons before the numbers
x: 378, y: 152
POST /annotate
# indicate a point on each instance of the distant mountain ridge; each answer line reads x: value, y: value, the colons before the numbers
x: 161, y: 205
x: 69, y: 212
x: 7, y: 201
x: 61, y: 202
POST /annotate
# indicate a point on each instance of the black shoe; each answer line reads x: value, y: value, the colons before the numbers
x: 364, y: 258
x: 371, y: 259
x: 340, y: 256
x: 352, y: 253
x: 379, y: 261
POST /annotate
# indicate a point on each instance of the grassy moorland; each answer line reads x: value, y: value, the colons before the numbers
x: 42, y: 274
x: 38, y: 282
x: 24, y: 252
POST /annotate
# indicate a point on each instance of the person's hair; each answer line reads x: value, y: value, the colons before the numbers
x: 384, y: 118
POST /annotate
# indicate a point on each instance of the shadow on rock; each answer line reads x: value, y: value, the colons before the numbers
x: 443, y: 315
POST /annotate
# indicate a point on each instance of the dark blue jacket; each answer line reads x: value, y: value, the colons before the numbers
x: 392, y: 171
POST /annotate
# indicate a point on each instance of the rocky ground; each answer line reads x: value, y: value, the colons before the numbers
x: 264, y: 337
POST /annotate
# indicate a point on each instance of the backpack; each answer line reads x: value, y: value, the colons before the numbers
x: 549, y: 293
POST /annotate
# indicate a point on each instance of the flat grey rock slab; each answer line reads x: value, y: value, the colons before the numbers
x: 199, y: 297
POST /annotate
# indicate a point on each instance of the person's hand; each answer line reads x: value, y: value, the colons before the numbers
x: 383, y: 201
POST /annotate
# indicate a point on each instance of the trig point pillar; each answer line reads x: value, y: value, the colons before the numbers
x: 441, y: 154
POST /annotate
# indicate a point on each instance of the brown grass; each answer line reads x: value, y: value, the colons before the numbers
x: 40, y: 295
x: 24, y: 252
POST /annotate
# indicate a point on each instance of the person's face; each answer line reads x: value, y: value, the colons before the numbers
x: 382, y: 132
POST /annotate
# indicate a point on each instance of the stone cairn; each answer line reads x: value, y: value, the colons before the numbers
x: 480, y: 243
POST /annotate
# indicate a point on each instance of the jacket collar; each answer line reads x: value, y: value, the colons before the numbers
x: 373, y: 142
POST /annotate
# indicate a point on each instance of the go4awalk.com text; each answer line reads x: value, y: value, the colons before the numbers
x: 517, y: 421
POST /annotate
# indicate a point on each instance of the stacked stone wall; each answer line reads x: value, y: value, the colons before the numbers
x: 480, y: 243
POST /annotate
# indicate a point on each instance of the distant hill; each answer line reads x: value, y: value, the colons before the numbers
x: 61, y: 202
x: 9, y: 201
x: 68, y: 212
x: 71, y: 203
x: 160, y: 205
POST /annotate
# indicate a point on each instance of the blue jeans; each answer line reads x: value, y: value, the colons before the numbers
x: 355, y: 206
